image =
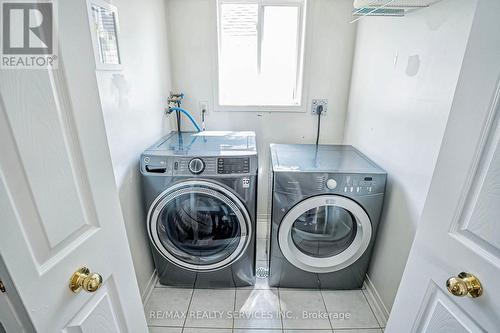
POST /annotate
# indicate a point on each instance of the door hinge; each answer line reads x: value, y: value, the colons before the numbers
x: 2, y: 287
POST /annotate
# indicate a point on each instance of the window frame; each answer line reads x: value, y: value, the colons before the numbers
x: 303, y: 58
x: 100, y: 66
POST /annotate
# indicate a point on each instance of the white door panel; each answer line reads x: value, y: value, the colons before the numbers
x: 442, y: 315
x: 58, y: 200
x: 44, y: 120
x: 98, y: 315
x: 44, y: 166
x: 481, y: 204
x: 459, y: 229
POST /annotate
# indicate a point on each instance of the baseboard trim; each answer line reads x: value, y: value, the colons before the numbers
x: 381, y: 312
x: 149, y: 287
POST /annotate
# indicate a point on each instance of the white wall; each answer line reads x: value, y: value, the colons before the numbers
x: 404, y: 77
x: 133, y: 101
x: 192, y: 26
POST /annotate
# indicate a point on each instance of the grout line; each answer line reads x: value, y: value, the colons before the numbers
x: 234, y: 309
x: 281, y: 311
x: 260, y: 288
x: 282, y: 325
x: 326, y: 308
x: 187, y: 311
x: 273, y: 330
x: 215, y: 329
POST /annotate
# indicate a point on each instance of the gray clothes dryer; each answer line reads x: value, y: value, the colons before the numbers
x: 326, y: 206
x: 200, y: 192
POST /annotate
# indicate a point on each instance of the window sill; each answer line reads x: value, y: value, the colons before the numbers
x: 260, y: 108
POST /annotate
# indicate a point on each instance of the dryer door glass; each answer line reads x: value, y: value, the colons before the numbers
x: 324, y: 231
x: 200, y: 226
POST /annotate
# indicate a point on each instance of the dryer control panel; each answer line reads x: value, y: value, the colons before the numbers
x: 360, y: 184
x: 352, y: 184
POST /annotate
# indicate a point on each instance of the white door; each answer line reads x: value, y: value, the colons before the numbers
x: 59, y: 207
x: 460, y: 226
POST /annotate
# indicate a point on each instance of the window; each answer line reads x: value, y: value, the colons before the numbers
x: 105, y: 26
x: 103, y: 20
x: 260, y: 53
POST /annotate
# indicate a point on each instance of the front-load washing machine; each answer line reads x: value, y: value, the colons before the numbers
x: 326, y: 206
x: 200, y: 192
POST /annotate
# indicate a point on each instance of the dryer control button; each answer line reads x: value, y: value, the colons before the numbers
x: 331, y: 184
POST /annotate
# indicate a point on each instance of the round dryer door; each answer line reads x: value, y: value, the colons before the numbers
x: 325, y: 233
x: 199, y: 225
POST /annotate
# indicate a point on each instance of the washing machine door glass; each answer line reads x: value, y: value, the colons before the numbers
x: 325, y: 233
x: 199, y: 225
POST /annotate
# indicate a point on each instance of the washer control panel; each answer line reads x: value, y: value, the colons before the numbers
x: 188, y: 166
x: 331, y: 184
x: 233, y: 165
x: 196, y: 166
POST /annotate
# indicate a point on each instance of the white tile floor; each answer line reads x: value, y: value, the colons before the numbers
x: 260, y: 309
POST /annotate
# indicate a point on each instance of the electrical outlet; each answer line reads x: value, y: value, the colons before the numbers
x: 204, y: 106
x: 318, y: 102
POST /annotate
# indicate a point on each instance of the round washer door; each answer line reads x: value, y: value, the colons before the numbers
x: 325, y: 233
x: 199, y: 225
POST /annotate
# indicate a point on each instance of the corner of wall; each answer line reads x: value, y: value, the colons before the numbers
x: 133, y: 101
x: 403, y: 82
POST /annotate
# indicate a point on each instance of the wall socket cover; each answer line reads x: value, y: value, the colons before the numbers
x: 318, y: 102
x: 204, y: 106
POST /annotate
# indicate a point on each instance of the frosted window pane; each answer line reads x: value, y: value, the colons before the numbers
x: 238, y: 56
x: 107, y: 41
x: 279, y: 55
x: 252, y: 76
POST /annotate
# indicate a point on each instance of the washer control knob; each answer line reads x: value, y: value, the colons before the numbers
x: 331, y: 184
x: 196, y: 166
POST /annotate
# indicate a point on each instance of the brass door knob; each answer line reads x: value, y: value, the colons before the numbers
x: 84, y: 279
x: 464, y: 284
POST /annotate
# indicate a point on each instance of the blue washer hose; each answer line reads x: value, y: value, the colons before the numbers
x: 187, y: 115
